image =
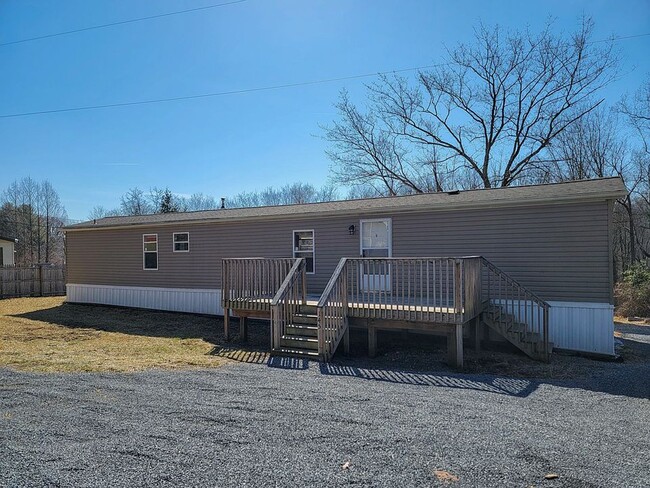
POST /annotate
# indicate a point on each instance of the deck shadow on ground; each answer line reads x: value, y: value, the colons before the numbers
x: 234, y: 353
x: 282, y: 362
x: 501, y: 385
x: 254, y: 356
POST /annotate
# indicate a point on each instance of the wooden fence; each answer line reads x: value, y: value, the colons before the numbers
x: 33, y: 281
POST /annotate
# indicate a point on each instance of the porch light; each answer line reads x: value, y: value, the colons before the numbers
x: 351, y: 229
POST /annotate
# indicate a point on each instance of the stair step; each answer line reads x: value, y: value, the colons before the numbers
x: 508, y: 327
x: 296, y: 352
x: 301, y: 330
x: 532, y: 337
x: 515, y: 327
x: 518, y: 331
x: 308, y: 309
x: 304, y: 318
x: 530, y: 343
x: 299, y: 342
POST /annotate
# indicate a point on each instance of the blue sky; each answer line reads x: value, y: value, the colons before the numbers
x: 224, y: 145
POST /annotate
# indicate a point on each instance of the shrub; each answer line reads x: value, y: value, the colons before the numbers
x: 633, y: 292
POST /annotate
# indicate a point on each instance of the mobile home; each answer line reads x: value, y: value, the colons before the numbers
x: 533, y: 263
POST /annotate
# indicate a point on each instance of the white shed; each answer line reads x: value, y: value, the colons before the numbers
x: 7, y: 248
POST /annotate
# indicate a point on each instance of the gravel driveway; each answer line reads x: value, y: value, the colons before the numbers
x: 291, y: 423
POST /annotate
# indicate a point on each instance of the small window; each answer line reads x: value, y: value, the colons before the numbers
x: 150, y: 251
x: 181, y: 242
x: 303, y: 247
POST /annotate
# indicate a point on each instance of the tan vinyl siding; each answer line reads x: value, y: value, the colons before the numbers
x: 559, y: 251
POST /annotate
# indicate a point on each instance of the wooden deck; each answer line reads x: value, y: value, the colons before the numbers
x: 264, y: 303
x: 426, y: 295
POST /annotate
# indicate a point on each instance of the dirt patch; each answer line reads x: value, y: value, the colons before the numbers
x: 640, y: 321
x: 445, y: 476
x: 49, y: 335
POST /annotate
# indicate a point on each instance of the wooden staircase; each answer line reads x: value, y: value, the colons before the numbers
x: 300, y: 338
x: 516, y: 332
x: 515, y: 312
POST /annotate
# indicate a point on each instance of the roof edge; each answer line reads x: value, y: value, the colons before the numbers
x: 612, y: 195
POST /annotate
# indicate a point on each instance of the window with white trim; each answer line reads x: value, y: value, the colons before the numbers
x: 303, y: 247
x: 181, y: 241
x: 150, y: 251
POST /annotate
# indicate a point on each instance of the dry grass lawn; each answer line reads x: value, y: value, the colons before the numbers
x: 48, y: 335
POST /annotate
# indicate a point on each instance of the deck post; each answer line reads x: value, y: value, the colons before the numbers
x: 226, y: 324
x: 458, y: 290
x: 304, y: 284
x: 372, y: 341
x: 243, y: 328
x: 478, y: 333
x: 346, y: 340
x: 455, y: 346
x: 344, y: 296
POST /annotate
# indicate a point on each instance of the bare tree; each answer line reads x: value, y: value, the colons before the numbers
x: 487, y: 116
x: 286, y: 195
x: 200, y: 201
x: 53, y: 215
x: 98, y: 212
x: 29, y: 194
x: 637, y: 110
x: 590, y: 148
x: 32, y: 212
x: 637, y: 113
x: 164, y: 201
x: 137, y: 202
x: 134, y: 202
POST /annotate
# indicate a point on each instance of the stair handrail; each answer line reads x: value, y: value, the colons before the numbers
x: 286, y: 302
x: 499, y: 271
x: 543, y: 305
x: 332, y: 311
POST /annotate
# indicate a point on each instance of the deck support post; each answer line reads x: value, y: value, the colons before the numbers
x: 478, y: 333
x: 243, y: 328
x: 455, y: 346
x: 226, y: 324
x: 372, y: 341
x: 346, y: 340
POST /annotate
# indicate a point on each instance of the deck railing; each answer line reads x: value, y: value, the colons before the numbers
x: 251, y: 283
x: 516, y: 302
x: 442, y: 290
x: 332, y: 311
x: 288, y: 300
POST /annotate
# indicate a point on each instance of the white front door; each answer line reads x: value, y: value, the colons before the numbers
x: 376, y: 242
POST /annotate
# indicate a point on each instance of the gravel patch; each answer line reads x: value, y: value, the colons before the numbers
x: 287, y: 422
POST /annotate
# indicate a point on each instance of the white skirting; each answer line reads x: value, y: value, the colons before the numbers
x: 576, y: 326
x: 582, y: 326
x: 172, y: 299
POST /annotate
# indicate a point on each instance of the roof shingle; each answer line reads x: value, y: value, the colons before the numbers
x: 603, y: 188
